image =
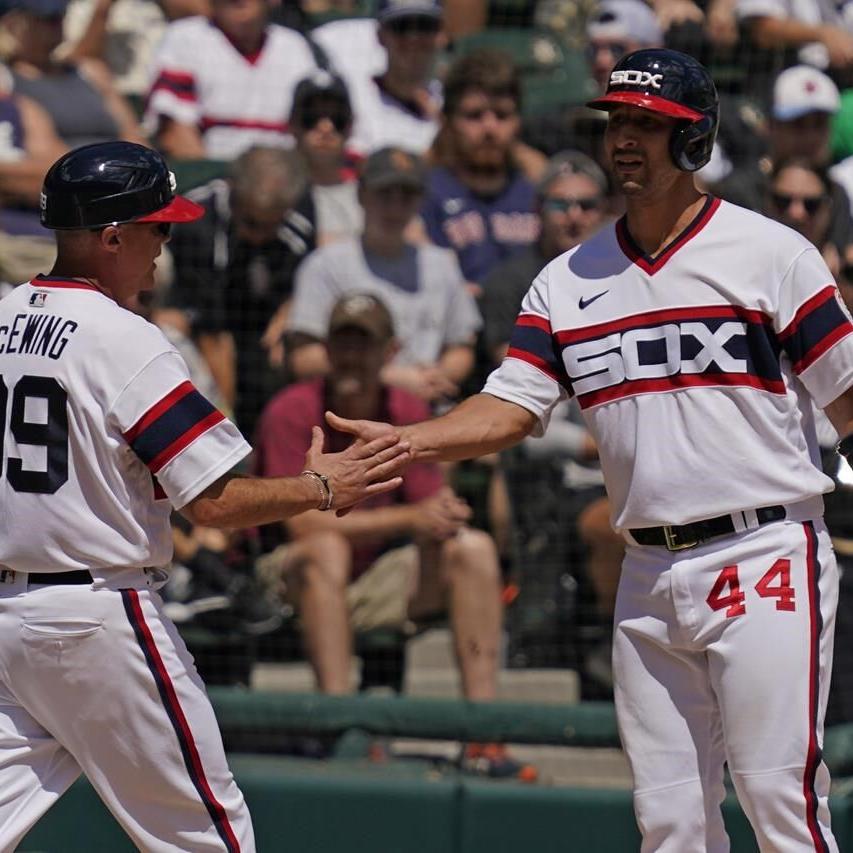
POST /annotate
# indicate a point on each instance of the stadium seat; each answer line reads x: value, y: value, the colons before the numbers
x: 552, y: 75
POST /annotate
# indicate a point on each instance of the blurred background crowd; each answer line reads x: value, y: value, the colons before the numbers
x: 382, y: 180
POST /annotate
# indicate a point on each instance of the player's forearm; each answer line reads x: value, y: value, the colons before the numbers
x: 478, y: 425
x: 237, y: 501
x: 358, y: 526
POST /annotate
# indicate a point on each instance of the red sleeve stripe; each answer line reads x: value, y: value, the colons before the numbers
x: 535, y: 361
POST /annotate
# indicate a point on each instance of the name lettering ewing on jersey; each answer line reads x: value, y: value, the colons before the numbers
x: 632, y: 77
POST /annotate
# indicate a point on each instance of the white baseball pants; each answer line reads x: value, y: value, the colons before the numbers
x: 722, y: 653
x: 101, y: 682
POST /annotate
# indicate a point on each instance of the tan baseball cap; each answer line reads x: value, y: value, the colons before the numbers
x: 362, y: 311
x: 393, y: 167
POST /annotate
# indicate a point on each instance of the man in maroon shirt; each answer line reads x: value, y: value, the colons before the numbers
x: 414, y: 541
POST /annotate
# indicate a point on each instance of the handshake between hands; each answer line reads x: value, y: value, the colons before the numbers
x: 370, y: 466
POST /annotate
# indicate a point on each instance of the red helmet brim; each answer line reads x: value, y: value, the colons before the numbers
x: 179, y: 209
x: 647, y: 102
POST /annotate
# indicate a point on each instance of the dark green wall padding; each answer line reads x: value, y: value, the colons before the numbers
x: 348, y: 805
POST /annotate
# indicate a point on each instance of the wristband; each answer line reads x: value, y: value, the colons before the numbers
x: 845, y: 447
x: 326, y: 495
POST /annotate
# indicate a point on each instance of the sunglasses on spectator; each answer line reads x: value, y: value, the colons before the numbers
x: 561, y: 205
x: 847, y: 273
x: 414, y: 24
x: 811, y: 203
x: 309, y: 119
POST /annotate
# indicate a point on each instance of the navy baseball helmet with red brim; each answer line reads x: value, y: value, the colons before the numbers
x: 673, y: 84
x: 109, y: 183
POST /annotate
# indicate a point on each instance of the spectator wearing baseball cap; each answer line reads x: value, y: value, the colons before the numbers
x: 617, y: 27
x: 799, y: 126
x: 398, y: 104
x: 398, y: 557
x: 321, y: 123
x: 435, y: 316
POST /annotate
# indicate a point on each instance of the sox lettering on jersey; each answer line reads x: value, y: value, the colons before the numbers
x: 681, y: 347
x: 617, y: 357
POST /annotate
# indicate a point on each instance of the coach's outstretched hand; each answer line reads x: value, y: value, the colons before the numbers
x: 365, y: 468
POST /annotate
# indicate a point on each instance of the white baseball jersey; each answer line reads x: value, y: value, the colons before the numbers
x: 692, y: 368
x: 103, y: 433
x: 237, y: 101
x: 382, y: 120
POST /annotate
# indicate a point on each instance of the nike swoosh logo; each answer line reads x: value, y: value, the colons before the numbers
x: 584, y: 303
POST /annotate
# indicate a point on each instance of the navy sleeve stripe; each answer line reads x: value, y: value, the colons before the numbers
x: 162, y: 438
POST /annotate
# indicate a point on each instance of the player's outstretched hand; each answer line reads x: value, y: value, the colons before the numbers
x: 365, y: 468
x: 363, y: 431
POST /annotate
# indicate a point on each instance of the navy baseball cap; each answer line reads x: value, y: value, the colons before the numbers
x: 392, y: 10
x: 37, y: 8
x: 321, y: 84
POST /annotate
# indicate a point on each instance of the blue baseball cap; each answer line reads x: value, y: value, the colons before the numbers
x: 38, y: 8
x: 391, y: 10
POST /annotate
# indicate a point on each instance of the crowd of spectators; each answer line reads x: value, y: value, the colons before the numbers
x: 381, y: 199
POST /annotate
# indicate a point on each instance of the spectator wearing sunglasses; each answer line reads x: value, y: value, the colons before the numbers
x: 800, y: 196
x: 804, y: 102
x: 401, y: 106
x: 321, y: 122
x: 572, y: 204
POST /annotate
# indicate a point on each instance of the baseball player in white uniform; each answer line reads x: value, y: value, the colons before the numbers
x: 692, y: 334
x: 101, y: 434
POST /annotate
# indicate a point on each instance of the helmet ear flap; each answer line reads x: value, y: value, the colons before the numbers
x: 691, y: 143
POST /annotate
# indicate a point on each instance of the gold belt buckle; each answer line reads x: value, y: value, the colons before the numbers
x: 672, y: 543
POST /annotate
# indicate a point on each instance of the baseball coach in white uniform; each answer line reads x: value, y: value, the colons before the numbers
x: 101, y: 434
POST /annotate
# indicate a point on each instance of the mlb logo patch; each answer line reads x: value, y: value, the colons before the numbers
x: 38, y: 299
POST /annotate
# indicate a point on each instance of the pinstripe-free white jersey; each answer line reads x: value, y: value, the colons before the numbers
x: 693, y: 368
x: 200, y: 78
x: 102, y: 433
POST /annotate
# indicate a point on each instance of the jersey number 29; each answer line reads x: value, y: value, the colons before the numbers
x: 50, y: 432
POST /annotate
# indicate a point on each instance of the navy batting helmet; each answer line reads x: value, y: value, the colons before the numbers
x: 109, y: 183
x: 675, y: 84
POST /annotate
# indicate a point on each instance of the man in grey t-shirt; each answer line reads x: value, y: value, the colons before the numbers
x: 435, y: 316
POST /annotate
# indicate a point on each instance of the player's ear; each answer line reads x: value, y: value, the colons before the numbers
x: 110, y: 238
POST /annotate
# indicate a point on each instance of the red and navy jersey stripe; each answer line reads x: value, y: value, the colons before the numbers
x: 171, y: 425
x: 532, y: 341
x: 207, y: 122
x: 819, y: 323
x: 180, y: 83
x: 169, y: 698
x: 755, y: 345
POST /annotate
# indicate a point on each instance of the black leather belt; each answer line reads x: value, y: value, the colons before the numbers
x: 71, y: 577
x: 680, y: 536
